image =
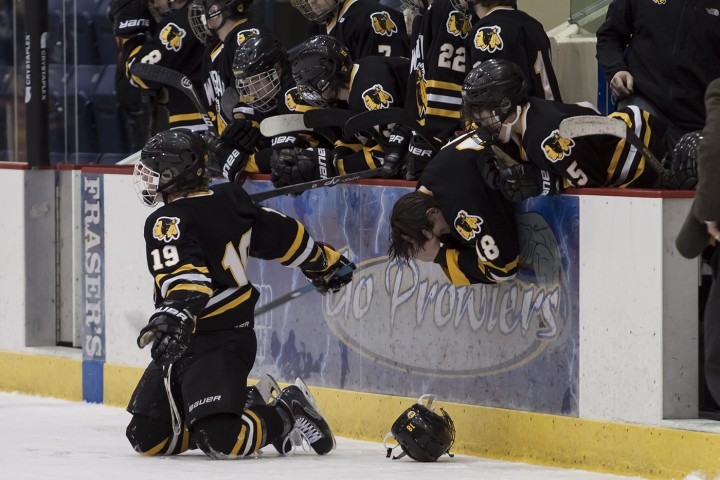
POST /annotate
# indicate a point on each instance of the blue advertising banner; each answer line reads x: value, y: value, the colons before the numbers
x: 93, y: 244
x: 405, y: 330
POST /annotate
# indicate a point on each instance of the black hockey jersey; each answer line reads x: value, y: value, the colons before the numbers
x: 591, y: 161
x: 173, y: 45
x: 366, y: 27
x: 217, y: 72
x: 198, y: 246
x: 375, y: 83
x: 483, y: 246
x: 514, y: 35
x: 289, y: 101
x: 438, y: 68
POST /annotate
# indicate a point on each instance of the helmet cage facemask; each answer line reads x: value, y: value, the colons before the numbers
x: 198, y: 23
x: 326, y: 11
x: 260, y: 91
x: 151, y: 184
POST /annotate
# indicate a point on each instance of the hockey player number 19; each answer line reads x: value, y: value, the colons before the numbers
x: 168, y: 258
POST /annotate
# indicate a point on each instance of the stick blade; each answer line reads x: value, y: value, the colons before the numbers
x: 585, y: 125
x: 280, y: 124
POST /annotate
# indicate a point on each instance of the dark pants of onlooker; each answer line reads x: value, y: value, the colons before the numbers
x: 711, y: 329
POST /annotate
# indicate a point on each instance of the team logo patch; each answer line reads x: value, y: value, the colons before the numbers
x: 376, y: 98
x: 166, y: 229
x: 458, y: 24
x: 421, y: 93
x: 382, y: 24
x: 245, y: 34
x: 293, y: 99
x: 467, y: 225
x: 488, y: 39
x: 171, y: 37
x: 659, y: 2
x: 556, y: 147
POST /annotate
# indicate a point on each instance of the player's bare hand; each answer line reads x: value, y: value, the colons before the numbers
x: 622, y: 84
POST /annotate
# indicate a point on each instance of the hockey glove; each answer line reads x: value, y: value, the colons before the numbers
x: 169, y: 329
x: 337, y: 271
x: 241, y: 134
x: 290, y: 166
x: 395, y: 151
x: 130, y: 17
x: 524, y: 180
x: 226, y: 159
x: 419, y: 154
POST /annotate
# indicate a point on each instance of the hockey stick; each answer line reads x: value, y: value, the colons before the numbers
x: 323, y: 182
x: 584, y: 125
x: 175, y: 79
x: 228, y: 102
x: 367, y: 121
x: 344, y: 270
x: 312, y: 120
x: 149, y: 336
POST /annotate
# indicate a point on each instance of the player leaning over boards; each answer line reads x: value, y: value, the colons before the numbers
x: 455, y: 219
x: 496, y: 96
x: 202, y: 331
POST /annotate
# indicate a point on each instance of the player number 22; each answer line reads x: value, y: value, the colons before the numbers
x: 452, y: 58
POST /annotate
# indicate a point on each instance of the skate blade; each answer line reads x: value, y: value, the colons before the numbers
x: 306, y: 391
x: 268, y: 388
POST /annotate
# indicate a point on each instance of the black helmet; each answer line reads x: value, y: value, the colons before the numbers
x: 497, y: 86
x: 423, y: 434
x: 173, y: 158
x: 321, y: 66
x: 260, y: 66
x: 317, y: 10
x: 202, y: 10
x: 683, y: 160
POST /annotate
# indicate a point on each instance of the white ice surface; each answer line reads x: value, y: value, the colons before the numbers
x: 44, y: 439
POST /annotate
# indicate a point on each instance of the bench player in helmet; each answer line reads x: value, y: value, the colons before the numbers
x: 222, y: 25
x: 365, y: 27
x: 495, y: 95
x: 202, y: 331
x: 437, y: 70
x: 455, y: 219
x: 503, y: 31
x: 326, y: 77
x: 263, y: 79
x: 171, y: 44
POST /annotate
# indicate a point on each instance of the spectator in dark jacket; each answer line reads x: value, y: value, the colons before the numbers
x: 661, y: 55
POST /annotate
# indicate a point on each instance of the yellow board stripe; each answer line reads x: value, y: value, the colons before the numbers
x: 609, y: 447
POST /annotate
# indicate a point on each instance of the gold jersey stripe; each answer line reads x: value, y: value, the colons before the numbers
x: 228, y: 306
x: 295, y: 245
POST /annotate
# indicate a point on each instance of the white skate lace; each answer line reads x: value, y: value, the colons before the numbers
x: 307, y: 430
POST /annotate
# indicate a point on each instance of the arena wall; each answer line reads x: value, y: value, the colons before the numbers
x: 587, y: 360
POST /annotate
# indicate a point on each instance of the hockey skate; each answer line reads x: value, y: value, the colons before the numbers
x: 309, y: 425
x: 264, y: 392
